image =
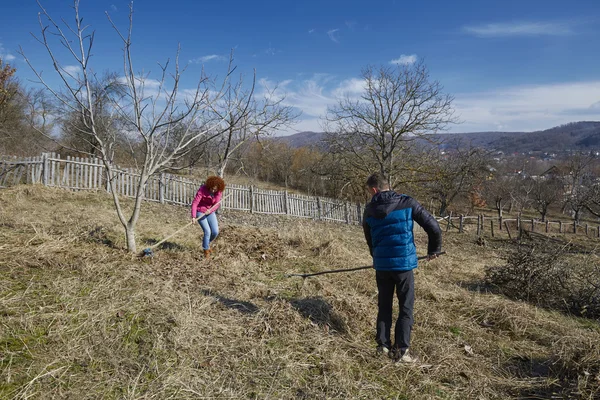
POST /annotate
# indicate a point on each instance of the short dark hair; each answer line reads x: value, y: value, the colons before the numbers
x: 377, y: 180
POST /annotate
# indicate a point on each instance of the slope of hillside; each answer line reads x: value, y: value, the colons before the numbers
x: 81, y: 318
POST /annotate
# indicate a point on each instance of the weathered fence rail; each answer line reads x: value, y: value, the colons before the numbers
x: 512, y: 226
x: 77, y: 173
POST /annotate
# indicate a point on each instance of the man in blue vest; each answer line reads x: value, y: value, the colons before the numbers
x: 388, y: 226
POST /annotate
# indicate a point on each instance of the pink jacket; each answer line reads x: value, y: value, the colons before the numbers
x: 204, y: 200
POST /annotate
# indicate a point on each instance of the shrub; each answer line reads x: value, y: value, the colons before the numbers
x: 549, y: 275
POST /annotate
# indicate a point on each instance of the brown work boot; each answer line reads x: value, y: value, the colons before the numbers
x: 207, y: 253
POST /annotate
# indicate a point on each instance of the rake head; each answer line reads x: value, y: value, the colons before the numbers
x: 147, y: 253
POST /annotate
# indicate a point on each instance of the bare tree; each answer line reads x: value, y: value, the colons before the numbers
x: 580, y: 183
x: 455, y: 173
x: 546, y: 192
x: 159, y: 118
x: 19, y: 111
x: 242, y: 117
x: 501, y: 190
x: 396, y: 106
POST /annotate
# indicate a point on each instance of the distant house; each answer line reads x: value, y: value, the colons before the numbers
x: 552, y: 172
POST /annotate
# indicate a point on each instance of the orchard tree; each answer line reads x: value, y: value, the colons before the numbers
x: 546, y: 192
x: 396, y: 106
x: 159, y: 118
x: 241, y: 115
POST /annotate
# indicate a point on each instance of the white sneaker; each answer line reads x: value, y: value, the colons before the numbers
x: 383, y: 350
x: 406, y: 358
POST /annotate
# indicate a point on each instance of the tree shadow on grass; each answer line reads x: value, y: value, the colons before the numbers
x: 244, y: 307
x: 548, y: 378
x: 100, y: 236
x: 319, y: 311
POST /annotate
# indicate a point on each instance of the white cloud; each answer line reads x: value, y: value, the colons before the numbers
x: 351, y: 24
x: 204, y: 59
x: 332, y: 33
x: 4, y: 55
x: 72, y: 69
x: 522, y: 28
x: 352, y: 87
x: 528, y: 107
x: 311, y: 31
x: 513, y: 108
x: 405, y: 59
x: 113, y: 7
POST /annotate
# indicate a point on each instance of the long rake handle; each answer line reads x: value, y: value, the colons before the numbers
x: 188, y: 224
x: 171, y: 235
x: 333, y: 271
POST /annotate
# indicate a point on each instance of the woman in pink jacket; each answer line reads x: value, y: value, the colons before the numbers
x: 207, y: 199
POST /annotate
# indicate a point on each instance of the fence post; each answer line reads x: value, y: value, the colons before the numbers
x: 547, y: 225
x: 560, y: 230
x: 532, y: 224
x: 507, y: 230
x: 586, y: 229
x: 575, y: 227
x: 319, y: 209
x: 285, y: 202
x: 347, y: 212
x: 492, y: 226
x: 161, y: 188
x: 479, y: 225
x: 449, y: 221
x: 45, y: 171
x: 482, y: 223
x: 460, y: 223
x: 251, y: 199
x: 500, y: 223
x: 519, y: 222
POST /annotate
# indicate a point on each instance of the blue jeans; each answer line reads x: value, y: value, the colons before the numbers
x: 210, y: 226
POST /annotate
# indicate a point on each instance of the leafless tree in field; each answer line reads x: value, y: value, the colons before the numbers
x: 456, y: 173
x: 579, y: 182
x: 159, y: 117
x: 545, y: 193
x: 243, y: 114
x: 396, y: 106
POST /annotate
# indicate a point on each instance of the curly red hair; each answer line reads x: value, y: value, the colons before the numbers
x: 213, y: 181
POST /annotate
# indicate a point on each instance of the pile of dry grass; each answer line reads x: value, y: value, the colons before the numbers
x: 81, y: 318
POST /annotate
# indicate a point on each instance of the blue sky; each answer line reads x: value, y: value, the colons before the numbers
x: 511, y: 65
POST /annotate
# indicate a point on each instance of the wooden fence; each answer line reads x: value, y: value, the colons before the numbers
x: 75, y: 173
x: 512, y: 226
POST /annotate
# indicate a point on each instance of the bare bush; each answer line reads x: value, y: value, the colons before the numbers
x: 550, y: 275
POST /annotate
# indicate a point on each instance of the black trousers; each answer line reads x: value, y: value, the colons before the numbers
x: 404, y: 284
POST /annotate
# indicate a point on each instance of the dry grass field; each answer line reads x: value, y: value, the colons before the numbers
x: 80, y: 318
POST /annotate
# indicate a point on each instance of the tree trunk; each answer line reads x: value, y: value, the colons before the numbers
x: 443, y: 207
x: 221, y: 170
x: 130, y: 236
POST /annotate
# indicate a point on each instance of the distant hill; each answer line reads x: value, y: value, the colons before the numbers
x: 302, y: 139
x: 584, y: 135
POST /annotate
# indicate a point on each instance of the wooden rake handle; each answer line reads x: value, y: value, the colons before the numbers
x: 350, y: 269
